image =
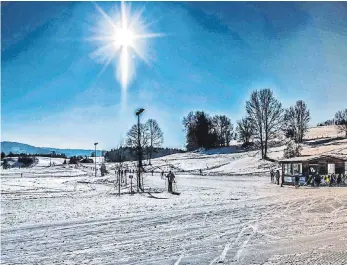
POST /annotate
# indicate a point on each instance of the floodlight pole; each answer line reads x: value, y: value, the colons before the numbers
x: 139, y: 149
x: 95, y: 157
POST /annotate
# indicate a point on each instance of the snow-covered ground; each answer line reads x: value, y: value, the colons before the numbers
x: 230, y: 214
x: 63, y: 215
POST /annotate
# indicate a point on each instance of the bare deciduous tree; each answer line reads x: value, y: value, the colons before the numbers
x: 341, y: 121
x: 265, y: 113
x: 155, y: 136
x: 132, y: 136
x: 223, y: 128
x: 245, y: 130
x: 297, y: 118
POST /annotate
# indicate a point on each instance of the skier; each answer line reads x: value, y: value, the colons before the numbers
x: 170, y: 178
x: 200, y: 171
x: 152, y: 172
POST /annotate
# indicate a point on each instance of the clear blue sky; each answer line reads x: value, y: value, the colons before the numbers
x: 214, y: 54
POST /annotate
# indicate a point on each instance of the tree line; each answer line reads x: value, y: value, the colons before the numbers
x: 125, y: 153
x: 340, y: 121
x: 262, y: 126
x: 53, y: 154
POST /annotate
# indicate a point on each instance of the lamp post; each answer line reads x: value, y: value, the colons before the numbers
x: 95, y: 157
x: 138, y: 112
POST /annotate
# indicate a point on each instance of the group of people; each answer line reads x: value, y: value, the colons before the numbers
x: 315, y: 180
x: 327, y: 180
x: 275, y: 177
x: 334, y: 180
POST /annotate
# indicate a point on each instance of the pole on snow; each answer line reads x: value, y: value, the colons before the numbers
x: 131, y: 184
x: 95, y: 157
x: 119, y: 185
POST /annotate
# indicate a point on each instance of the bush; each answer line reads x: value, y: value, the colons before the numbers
x: 247, y: 145
x: 75, y: 159
x: 26, y: 160
x: 87, y: 160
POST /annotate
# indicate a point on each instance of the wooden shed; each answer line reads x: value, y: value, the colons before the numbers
x: 309, y: 165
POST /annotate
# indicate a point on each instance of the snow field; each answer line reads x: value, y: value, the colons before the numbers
x: 63, y: 215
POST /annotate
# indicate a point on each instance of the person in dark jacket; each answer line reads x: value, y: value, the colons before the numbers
x: 171, y: 179
x: 338, y: 180
x: 297, y: 179
x: 317, y: 179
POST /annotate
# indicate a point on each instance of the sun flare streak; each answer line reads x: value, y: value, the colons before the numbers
x: 121, y: 35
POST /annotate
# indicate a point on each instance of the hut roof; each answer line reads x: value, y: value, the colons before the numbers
x: 310, y: 158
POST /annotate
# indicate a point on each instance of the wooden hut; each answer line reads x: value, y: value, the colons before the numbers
x: 306, y: 166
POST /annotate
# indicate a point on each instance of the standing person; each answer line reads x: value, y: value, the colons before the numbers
x: 272, y: 175
x: 152, y: 172
x: 170, y: 178
x: 317, y: 180
x: 282, y: 177
x: 327, y: 180
x: 331, y: 180
x: 338, y: 181
x: 278, y: 177
x: 200, y: 171
x: 297, y: 179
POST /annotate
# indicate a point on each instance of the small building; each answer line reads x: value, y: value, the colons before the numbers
x: 306, y: 166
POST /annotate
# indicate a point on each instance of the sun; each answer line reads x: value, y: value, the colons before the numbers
x: 121, y: 37
x: 125, y: 37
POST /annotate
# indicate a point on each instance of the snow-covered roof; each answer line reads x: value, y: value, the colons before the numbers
x: 309, y: 158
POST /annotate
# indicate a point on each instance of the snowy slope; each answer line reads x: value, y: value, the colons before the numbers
x: 64, y: 215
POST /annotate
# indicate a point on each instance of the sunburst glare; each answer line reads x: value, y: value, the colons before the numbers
x: 122, y: 36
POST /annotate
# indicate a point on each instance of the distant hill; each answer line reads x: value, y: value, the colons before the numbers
x: 17, y: 148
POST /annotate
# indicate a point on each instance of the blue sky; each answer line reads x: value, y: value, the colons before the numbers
x: 214, y: 54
